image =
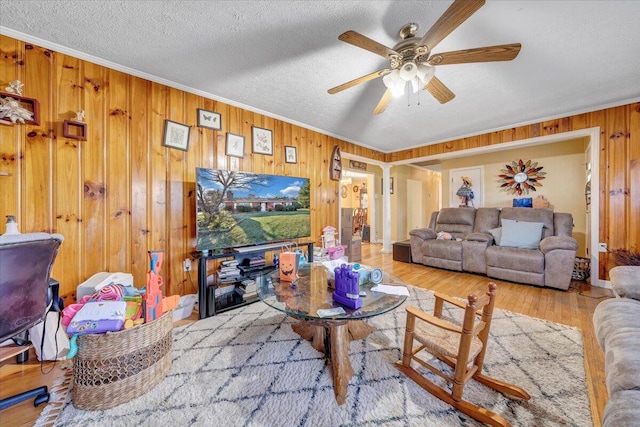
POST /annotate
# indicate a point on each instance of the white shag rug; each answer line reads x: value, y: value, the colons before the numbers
x: 246, y: 367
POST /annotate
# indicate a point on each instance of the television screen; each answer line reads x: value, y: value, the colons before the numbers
x: 243, y: 208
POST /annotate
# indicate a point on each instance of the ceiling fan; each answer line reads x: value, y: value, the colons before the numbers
x: 412, y: 61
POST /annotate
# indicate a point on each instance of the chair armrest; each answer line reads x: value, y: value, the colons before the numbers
x: 447, y: 298
x: 433, y: 320
x: 424, y: 233
x: 553, y: 243
x: 479, y: 237
x: 625, y: 281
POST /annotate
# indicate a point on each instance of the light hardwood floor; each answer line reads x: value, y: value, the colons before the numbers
x: 573, y: 307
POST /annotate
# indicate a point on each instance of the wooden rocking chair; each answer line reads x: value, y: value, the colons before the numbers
x: 462, y: 347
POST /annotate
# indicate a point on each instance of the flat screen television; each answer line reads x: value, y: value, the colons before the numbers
x: 236, y: 209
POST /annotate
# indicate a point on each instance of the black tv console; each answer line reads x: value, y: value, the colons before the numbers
x: 208, y: 303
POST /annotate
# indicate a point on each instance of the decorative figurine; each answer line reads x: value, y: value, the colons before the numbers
x: 15, y: 87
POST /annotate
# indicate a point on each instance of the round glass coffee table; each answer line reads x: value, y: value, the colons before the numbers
x: 330, y: 335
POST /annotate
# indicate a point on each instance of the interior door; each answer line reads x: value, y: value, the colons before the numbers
x: 415, y: 208
x: 476, y: 174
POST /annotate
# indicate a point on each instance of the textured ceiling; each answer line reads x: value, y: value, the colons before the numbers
x: 280, y: 57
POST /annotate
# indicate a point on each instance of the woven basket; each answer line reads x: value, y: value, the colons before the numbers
x: 116, y: 367
x: 581, y: 269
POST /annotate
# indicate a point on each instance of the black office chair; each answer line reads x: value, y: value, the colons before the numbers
x: 25, y: 268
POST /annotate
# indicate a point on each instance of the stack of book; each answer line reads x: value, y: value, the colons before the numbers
x: 228, y: 272
x: 248, y: 289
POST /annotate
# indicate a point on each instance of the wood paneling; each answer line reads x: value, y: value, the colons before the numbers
x: 619, y: 168
x: 122, y: 193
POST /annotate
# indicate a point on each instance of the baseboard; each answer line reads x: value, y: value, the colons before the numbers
x: 602, y: 284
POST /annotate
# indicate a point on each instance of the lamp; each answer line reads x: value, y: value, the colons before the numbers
x: 418, y: 74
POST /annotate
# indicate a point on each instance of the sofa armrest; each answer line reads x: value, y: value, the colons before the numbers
x: 424, y: 233
x: 625, y: 281
x: 553, y: 243
x: 479, y: 237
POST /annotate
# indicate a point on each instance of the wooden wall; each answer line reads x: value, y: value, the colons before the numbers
x: 619, y: 167
x: 121, y: 193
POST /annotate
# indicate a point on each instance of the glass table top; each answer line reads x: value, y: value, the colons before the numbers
x: 311, y: 292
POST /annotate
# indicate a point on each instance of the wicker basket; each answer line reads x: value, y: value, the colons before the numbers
x: 581, y: 269
x: 116, y: 367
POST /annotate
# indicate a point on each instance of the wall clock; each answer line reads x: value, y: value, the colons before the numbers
x: 355, y: 188
x: 521, y: 177
x: 343, y: 191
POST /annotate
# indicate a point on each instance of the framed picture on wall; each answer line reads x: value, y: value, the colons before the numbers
x: 235, y: 145
x: 290, y: 154
x: 176, y: 135
x: 262, y: 140
x: 209, y: 119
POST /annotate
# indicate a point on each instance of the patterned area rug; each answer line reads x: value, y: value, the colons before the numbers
x: 246, y: 367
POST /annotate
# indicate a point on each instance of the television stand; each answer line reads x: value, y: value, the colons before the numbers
x: 210, y: 304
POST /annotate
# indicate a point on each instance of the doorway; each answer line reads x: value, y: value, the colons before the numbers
x: 415, y: 212
x: 357, y: 192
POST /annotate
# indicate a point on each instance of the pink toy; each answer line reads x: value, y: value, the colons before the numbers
x: 107, y: 293
x: 153, y: 296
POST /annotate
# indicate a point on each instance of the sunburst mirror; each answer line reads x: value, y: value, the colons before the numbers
x: 521, y: 177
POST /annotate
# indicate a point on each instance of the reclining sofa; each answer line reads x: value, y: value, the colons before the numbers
x: 524, y: 245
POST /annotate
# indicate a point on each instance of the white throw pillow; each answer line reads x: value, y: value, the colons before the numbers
x: 521, y: 234
x: 497, y: 234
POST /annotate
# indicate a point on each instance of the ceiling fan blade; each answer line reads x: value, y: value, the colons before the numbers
x: 457, y: 13
x: 359, y: 80
x: 366, y: 43
x: 382, y: 104
x: 503, y: 52
x: 439, y: 91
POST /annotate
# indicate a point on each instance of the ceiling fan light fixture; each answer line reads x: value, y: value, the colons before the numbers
x: 408, y: 71
x: 425, y: 73
x: 390, y: 79
x: 415, y: 84
x: 398, y: 88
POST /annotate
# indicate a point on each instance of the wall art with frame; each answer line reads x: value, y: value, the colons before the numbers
x: 235, y: 145
x: 262, y: 140
x: 209, y: 119
x: 290, y: 154
x: 176, y: 135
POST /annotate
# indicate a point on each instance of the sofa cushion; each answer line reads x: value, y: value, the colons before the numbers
x: 518, y: 259
x: 521, y: 234
x: 486, y: 219
x: 542, y: 215
x: 625, y: 281
x: 613, y: 316
x: 622, y: 361
x: 457, y: 221
x: 444, y: 249
x: 622, y: 409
